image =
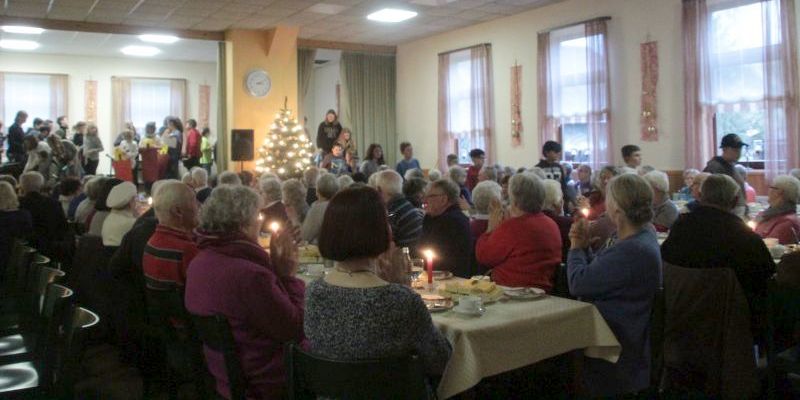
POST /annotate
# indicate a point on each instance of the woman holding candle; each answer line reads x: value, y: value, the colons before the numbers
x: 523, y: 248
x: 621, y: 281
x: 353, y: 313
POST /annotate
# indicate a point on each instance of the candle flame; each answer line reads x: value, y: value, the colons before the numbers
x: 149, y: 201
x: 752, y: 224
x: 260, y: 217
x: 428, y: 254
x: 585, y: 212
x: 274, y: 227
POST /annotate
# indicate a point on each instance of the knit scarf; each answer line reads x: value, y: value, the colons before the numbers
x: 786, y: 207
x: 235, y: 245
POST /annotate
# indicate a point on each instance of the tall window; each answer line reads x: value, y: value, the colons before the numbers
x: 573, y: 85
x: 466, y: 116
x: 40, y: 95
x: 740, y: 77
x: 150, y: 101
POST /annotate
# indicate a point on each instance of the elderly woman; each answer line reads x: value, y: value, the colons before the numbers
x: 253, y: 291
x: 354, y: 314
x: 445, y: 229
x: 483, y: 195
x: 458, y: 175
x: 327, y: 186
x: 621, y: 281
x: 14, y: 223
x: 274, y: 210
x: 345, y: 181
x: 293, y: 195
x: 665, y: 211
x: 122, y: 202
x: 310, y: 176
x: 38, y: 156
x: 749, y: 191
x: 524, y: 248
x: 488, y: 173
x: 92, y: 188
x: 688, y: 178
x: 98, y: 216
x: 553, y: 207
x: 780, y: 219
x: 697, y: 183
x: 65, y: 155
x: 596, y: 200
x: 434, y: 174
x: 229, y: 178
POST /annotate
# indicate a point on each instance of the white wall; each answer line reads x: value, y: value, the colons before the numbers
x: 326, y: 77
x: 514, y: 39
x: 83, y: 68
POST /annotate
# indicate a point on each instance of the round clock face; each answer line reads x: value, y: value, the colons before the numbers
x: 258, y: 83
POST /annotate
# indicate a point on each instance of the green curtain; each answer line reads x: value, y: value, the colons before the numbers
x: 305, y: 70
x: 368, y: 86
x: 222, y: 152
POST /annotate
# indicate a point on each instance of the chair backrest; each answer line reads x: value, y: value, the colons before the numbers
x: 657, y: 338
x: 57, y: 302
x: 75, y: 332
x: 310, y: 377
x: 33, y: 292
x: 17, y: 270
x: 215, y: 333
x: 560, y: 282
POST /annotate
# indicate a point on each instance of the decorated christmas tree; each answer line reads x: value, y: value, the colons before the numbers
x: 287, y: 149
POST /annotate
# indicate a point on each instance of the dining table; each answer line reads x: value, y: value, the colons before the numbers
x: 512, y: 334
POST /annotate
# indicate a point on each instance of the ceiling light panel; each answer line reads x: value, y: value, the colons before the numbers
x: 391, y: 15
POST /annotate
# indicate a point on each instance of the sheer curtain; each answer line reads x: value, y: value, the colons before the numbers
x: 368, y: 90
x: 58, y: 95
x: 574, y: 91
x: 41, y: 95
x: 305, y: 70
x: 177, y: 99
x: 466, y: 102
x: 120, y: 103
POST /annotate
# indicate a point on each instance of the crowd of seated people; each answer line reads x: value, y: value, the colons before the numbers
x: 201, y: 237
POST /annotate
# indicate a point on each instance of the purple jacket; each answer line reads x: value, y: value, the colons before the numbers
x: 234, y: 278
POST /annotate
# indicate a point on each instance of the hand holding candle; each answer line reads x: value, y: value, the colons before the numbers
x: 429, y: 265
x: 274, y: 227
x: 751, y: 224
x: 585, y: 212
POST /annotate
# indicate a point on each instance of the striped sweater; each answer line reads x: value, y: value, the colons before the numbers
x: 405, y: 220
x: 166, y: 257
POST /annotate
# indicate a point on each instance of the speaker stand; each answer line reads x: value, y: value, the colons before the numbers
x: 241, y: 166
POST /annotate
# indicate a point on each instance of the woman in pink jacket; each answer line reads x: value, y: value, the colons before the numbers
x: 780, y: 219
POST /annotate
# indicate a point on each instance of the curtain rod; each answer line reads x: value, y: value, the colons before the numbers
x: 606, y: 18
x: 464, y: 48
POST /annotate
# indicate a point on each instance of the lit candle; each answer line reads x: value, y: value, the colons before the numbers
x: 751, y: 224
x: 149, y: 201
x: 260, y: 217
x: 274, y: 227
x: 585, y: 212
x: 429, y: 265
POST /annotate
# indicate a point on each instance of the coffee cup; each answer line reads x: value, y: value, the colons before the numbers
x: 469, y: 304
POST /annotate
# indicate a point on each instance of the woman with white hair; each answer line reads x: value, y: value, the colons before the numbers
x: 665, y: 212
x: 327, y: 186
x: 621, y: 281
x: 293, y: 195
x: 345, y: 181
x: 523, y: 248
x: 483, y: 195
x: 488, y: 173
x: 780, y: 219
x: 688, y: 179
x: 434, y: 175
x: 553, y: 207
x: 458, y: 175
x: 274, y: 210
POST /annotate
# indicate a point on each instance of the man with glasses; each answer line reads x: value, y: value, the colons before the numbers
x: 445, y: 229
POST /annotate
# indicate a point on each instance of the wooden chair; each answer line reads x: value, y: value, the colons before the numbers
x: 215, y: 333
x: 310, y: 376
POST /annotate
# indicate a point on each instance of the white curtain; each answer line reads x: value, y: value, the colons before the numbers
x: 41, y: 95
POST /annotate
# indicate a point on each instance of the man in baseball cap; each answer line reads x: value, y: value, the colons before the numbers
x: 731, y: 145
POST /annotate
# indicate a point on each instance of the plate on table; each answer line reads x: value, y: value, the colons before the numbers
x: 437, y: 303
x: 523, y: 293
x: 471, y: 313
x: 487, y: 291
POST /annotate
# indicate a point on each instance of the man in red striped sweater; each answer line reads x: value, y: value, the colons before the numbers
x: 171, y: 248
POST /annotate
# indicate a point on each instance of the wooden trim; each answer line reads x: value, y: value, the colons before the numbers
x: 464, y: 48
x: 356, y: 47
x: 100, y: 27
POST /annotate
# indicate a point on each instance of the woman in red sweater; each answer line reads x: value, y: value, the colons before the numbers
x: 521, y: 245
x: 192, y: 151
x: 780, y: 219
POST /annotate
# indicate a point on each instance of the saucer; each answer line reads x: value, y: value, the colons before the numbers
x: 471, y: 313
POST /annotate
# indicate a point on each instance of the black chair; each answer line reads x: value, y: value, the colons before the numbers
x: 310, y: 377
x: 15, y: 273
x: 657, y: 323
x: 561, y: 282
x: 21, y: 310
x: 215, y: 333
x: 783, y: 324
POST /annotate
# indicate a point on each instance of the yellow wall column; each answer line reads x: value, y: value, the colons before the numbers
x: 274, y: 51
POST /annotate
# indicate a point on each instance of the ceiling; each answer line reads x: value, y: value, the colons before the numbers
x: 331, y: 20
x: 109, y: 45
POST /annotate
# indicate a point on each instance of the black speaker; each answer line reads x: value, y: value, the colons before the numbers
x: 242, y: 145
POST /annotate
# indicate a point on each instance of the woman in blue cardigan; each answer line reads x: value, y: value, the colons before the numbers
x: 621, y: 280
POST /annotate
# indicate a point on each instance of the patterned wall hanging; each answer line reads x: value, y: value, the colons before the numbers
x: 204, y: 106
x: 90, y: 101
x: 516, y: 105
x: 649, y: 126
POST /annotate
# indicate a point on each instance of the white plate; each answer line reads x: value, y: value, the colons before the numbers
x: 523, y: 293
x: 471, y: 313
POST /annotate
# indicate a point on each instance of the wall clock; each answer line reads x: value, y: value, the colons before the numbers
x: 257, y: 83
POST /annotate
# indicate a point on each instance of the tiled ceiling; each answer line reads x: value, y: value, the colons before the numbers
x: 333, y: 20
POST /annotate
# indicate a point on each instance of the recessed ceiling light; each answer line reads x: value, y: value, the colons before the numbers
x: 11, y: 44
x: 165, y: 39
x: 391, y: 15
x: 26, y: 30
x: 140, y: 51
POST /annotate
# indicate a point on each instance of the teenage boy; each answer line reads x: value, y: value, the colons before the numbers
x: 478, y: 157
x: 552, y: 167
x: 408, y: 162
x: 632, y: 156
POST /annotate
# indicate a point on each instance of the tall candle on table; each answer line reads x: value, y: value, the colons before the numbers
x: 429, y: 265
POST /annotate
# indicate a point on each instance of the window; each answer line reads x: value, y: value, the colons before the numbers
x: 573, y: 83
x: 741, y: 47
x: 150, y: 101
x: 40, y: 95
x: 465, y: 101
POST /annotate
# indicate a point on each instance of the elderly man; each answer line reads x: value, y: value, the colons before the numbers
x: 229, y: 178
x: 731, y: 145
x: 445, y: 229
x: 404, y: 219
x: 711, y: 236
x: 170, y: 249
x: 274, y: 210
x: 327, y: 186
x: 49, y: 222
x: 665, y: 211
x: 200, y: 184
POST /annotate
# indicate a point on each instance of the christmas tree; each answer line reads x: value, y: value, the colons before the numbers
x: 287, y: 149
